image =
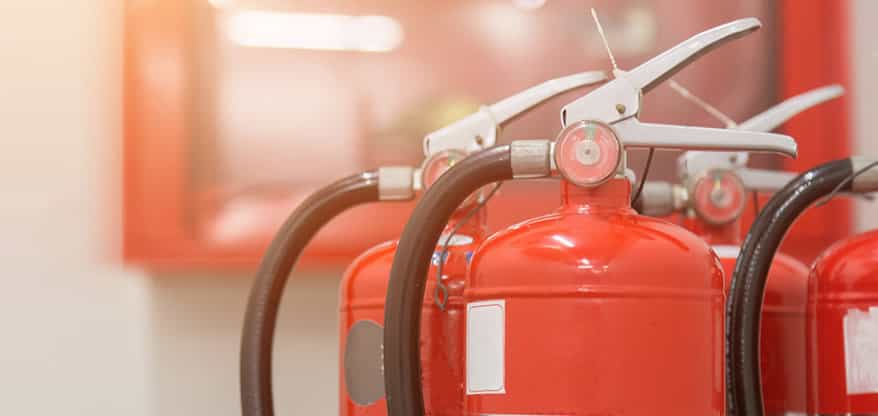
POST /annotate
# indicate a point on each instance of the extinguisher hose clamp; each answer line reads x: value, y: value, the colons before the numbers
x: 265, y: 296
x: 744, y: 305
x: 408, y: 276
x: 531, y: 158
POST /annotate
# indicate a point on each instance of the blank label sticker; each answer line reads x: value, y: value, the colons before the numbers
x: 861, y: 350
x: 485, y: 347
x: 726, y: 252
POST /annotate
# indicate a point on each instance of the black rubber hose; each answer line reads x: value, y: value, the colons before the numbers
x: 405, y: 292
x: 636, y: 197
x: 265, y: 296
x: 744, y: 306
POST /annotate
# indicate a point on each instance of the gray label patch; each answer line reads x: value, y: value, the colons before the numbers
x: 363, y: 372
x: 861, y: 348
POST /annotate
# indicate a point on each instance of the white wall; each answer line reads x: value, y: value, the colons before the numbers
x: 81, y: 334
x: 72, y: 321
x: 195, y: 325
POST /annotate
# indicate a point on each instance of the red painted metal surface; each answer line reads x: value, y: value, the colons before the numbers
x: 729, y: 234
x: 843, y: 281
x: 782, y: 357
x: 363, y: 291
x: 783, y: 317
x: 814, y: 48
x: 362, y: 294
x: 607, y: 312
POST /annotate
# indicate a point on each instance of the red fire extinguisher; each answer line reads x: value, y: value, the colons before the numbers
x: 712, y: 195
x: 362, y: 313
x: 842, y: 294
x: 842, y: 329
x: 593, y: 309
x: 364, y: 285
x: 384, y: 184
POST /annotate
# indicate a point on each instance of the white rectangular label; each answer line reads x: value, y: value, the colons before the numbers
x: 485, y: 347
x: 861, y: 350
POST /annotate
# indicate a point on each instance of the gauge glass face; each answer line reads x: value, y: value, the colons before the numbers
x: 435, y: 166
x: 588, y: 153
x: 438, y: 164
x: 719, y: 197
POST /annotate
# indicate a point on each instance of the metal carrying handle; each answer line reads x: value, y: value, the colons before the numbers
x: 620, y: 98
x: 763, y: 180
x: 479, y: 130
x: 772, y: 118
x: 667, y: 136
x: 768, y: 120
x: 652, y: 72
x: 771, y: 181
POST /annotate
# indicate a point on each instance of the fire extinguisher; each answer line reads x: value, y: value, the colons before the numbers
x: 842, y: 329
x: 362, y: 313
x: 364, y: 285
x: 712, y: 195
x: 384, y: 184
x: 592, y: 309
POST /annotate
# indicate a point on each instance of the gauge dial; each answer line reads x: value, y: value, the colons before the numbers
x: 588, y: 153
x: 438, y: 164
x: 719, y: 197
x: 435, y: 166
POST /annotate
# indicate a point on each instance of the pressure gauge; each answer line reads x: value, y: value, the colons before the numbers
x: 719, y: 196
x: 588, y: 153
x: 437, y: 164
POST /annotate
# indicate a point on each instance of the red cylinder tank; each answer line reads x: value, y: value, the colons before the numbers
x: 842, y: 329
x: 363, y: 290
x: 595, y: 310
x: 782, y: 357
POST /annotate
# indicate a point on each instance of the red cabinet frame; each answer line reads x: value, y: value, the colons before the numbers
x: 161, y: 215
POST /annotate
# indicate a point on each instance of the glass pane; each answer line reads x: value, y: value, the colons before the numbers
x: 293, y: 94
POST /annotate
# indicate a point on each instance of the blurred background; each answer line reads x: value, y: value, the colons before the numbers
x: 153, y: 146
